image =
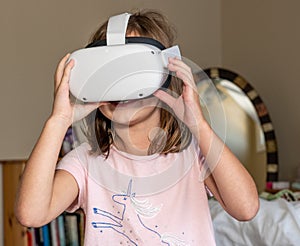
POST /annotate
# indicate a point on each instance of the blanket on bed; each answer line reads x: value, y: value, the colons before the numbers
x: 277, y: 223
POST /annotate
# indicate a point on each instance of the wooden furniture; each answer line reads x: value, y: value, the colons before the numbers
x: 14, y: 232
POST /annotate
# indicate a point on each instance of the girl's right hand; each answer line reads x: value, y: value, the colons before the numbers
x: 62, y: 106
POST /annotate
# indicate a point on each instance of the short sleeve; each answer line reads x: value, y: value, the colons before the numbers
x: 75, y: 163
x: 201, y: 160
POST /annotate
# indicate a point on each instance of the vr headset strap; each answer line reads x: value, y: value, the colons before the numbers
x: 116, y: 29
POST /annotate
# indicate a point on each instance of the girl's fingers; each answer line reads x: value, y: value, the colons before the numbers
x: 165, y: 97
x: 64, y: 81
x: 60, y: 70
x: 67, y: 70
x: 181, y: 65
x: 182, y: 71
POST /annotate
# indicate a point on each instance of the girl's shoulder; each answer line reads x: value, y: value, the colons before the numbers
x: 81, y: 150
x: 81, y: 154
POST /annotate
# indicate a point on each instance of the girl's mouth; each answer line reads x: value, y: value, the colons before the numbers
x: 127, y: 102
x: 120, y: 103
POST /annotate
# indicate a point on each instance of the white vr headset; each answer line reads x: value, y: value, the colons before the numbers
x: 120, y: 68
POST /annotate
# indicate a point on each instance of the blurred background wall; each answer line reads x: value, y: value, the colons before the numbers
x: 257, y: 39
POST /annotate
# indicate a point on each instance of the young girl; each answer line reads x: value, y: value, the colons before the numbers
x: 139, y: 182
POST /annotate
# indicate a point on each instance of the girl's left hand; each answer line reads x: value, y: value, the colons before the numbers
x: 187, y: 105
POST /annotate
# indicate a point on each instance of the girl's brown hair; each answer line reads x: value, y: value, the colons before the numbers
x: 151, y: 24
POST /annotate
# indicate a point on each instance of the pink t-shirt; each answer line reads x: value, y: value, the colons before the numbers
x: 141, y: 200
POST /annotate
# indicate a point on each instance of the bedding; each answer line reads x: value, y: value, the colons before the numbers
x: 277, y: 223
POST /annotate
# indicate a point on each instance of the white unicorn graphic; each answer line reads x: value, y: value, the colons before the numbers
x: 134, y: 210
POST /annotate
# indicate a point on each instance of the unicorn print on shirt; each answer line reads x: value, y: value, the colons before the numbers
x: 135, y: 211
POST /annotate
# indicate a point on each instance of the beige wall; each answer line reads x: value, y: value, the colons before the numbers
x: 36, y: 34
x: 1, y: 208
x: 261, y: 41
x: 258, y: 39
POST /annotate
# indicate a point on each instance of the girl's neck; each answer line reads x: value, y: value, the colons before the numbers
x: 136, y: 138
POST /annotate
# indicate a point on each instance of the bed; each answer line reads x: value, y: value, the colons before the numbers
x: 277, y: 223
